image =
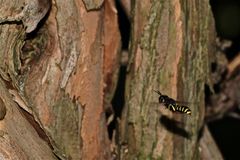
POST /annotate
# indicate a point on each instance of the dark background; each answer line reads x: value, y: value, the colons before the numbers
x: 226, y: 131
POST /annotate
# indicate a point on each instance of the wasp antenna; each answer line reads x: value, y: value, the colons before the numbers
x: 157, y: 92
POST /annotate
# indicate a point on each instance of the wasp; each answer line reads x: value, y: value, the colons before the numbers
x: 172, y: 104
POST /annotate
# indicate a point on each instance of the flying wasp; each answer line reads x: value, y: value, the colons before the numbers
x: 172, y: 104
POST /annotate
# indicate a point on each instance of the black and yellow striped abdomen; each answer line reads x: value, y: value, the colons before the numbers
x: 178, y: 108
x: 182, y: 109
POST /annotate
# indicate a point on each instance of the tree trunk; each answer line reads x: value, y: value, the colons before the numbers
x: 60, y: 73
x: 169, y: 51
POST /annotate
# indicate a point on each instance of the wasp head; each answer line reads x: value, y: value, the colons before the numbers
x: 161, y: 99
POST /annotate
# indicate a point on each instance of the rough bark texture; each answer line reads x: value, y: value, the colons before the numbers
x: 169, y: 51
x: 61, y: 74
x: 18, y: 139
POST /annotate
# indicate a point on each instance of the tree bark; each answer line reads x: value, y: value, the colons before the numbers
x: 169, y: 51
x: 61, y: 73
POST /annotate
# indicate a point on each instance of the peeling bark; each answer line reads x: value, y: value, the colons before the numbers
x: 63, y: 74
x: 18, y: 139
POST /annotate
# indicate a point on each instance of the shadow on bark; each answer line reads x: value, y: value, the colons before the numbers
x: 174, y: 127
